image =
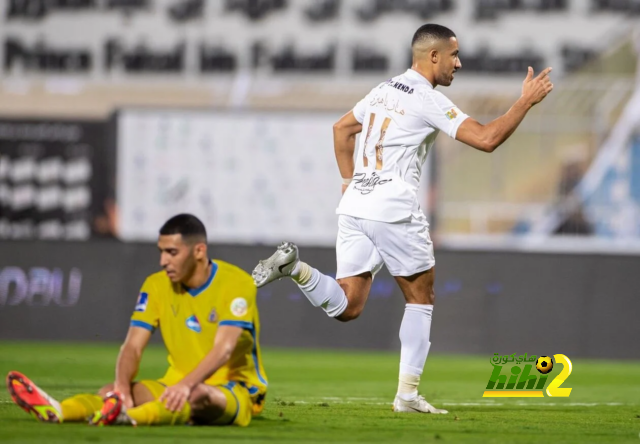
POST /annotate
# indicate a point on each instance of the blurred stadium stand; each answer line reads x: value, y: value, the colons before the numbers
x: 183, y: 54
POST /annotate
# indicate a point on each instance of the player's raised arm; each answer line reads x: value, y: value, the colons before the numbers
x: 490, y: 136
x: 344, y: 142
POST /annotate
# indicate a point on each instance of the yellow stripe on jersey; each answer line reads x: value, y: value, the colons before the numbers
x: 189, y: 319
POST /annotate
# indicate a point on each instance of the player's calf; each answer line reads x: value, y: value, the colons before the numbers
x: 356, y: 289
x: 343, y: 301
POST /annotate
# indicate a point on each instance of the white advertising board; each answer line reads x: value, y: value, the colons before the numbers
x: 259, y: 177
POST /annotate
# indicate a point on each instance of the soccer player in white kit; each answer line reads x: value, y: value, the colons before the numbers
x: 380, y: 221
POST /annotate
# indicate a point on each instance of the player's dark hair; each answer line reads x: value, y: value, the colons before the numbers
x: 187, y: 225
x: 432, y: 31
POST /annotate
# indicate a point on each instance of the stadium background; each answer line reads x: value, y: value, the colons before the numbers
x: 116, y: 114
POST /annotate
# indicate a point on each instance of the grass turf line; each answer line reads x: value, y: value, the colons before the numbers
x: 338, y: 396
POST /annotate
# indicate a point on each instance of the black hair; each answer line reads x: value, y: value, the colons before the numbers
x: 186, y: 225
x: 432, y: 31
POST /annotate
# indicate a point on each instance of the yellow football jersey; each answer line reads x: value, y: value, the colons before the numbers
x: 189, y: 319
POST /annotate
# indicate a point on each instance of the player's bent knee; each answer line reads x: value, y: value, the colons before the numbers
x: 349, y: 314
x: 204, y: 396
x: 227, y: 404
x: 146, y: 391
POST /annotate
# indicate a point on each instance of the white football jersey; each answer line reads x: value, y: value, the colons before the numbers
x: 400, y: 121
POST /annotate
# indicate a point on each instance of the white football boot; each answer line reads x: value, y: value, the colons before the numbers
x: 418, y: 405
x: 279, y: 265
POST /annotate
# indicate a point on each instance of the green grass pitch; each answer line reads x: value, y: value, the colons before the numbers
x: 339, y: 396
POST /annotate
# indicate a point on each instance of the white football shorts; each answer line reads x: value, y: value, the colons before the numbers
x: 365, y: 245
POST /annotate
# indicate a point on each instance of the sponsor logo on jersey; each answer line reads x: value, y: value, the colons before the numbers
x: 239, y: 307
x: 451, y: 114
x: 213, y: 316
x: 400, y: 86
x: 193, y: 324
x: 366, y: 184
x: 141, y: 305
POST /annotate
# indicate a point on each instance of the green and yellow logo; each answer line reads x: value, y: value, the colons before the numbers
x: 519, y: 380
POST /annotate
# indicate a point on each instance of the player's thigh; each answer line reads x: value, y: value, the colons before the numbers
x: 141, y: 391
x: 418, y: 289
x: 358, y: 261
x: 356, y: 254
x: 405, y: 246
x: 228, y: 404
x: 147, y: 390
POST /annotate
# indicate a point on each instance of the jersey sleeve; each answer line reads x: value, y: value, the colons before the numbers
x: 441, y: 113
x: 146, y: 313
x: 240, y: 306
x: 360, y: 109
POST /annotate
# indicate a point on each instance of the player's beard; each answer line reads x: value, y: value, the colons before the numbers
x: 188, y: 268
x: 446, y: 80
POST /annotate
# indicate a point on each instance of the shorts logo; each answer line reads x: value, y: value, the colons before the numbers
x: 193, y: 324
x: 451, y: 114
x: 141, y: 305
x: 239, y: 307
x: 213, y: 316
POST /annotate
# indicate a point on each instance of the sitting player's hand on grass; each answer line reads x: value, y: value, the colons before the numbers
x: 175, y: 396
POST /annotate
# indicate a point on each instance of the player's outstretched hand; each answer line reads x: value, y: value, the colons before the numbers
x: 536, y: 89
x: 175, y: 396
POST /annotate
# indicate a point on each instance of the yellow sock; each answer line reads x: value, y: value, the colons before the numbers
x: 80, y: 407
x: 155, y: 413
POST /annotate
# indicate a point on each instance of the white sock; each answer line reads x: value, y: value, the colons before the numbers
x: 321, y: 290
x: 408, y: 386
x: 301, y: 273
x: 414, y: 340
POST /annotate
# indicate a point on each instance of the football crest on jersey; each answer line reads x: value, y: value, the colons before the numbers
x: 239, y: 307
x: 213, y: 316
x: 452, y: 113
x: 193, y: 324
x: 141, y: 305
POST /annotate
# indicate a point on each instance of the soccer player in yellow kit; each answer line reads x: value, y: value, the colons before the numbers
x: 207, y: 314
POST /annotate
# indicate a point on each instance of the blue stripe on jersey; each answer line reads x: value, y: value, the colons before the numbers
x: 249, y: 327
x: 197, y: 291
x: 144, y: 325
x: 251, y: 388
x: 242, y: 324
